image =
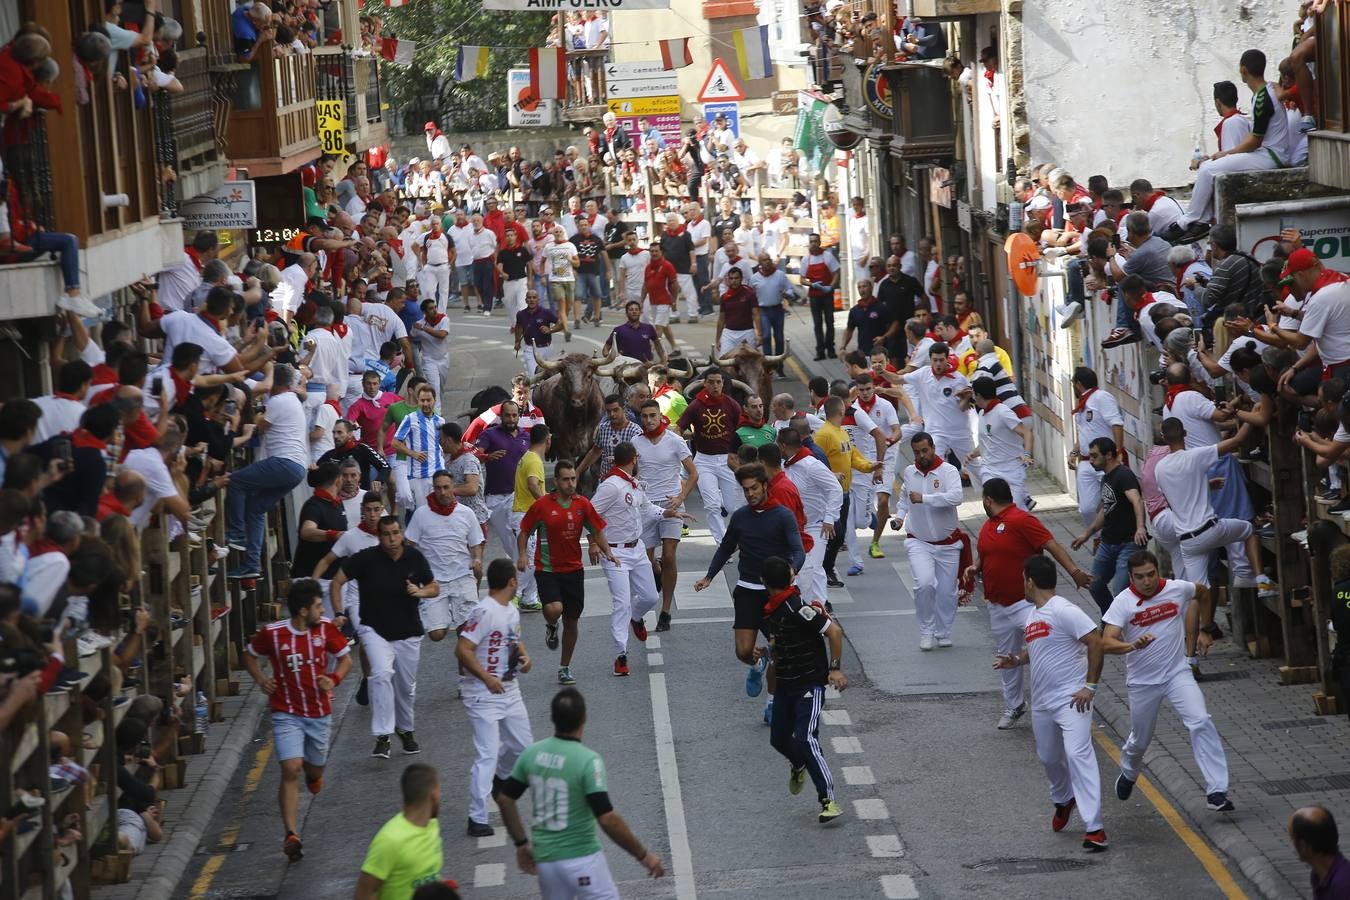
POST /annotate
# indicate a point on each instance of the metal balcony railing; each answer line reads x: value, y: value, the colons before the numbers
x: 335, y: 79
x: 370, y: 67
x: 28, y: 168
x: 586, y: 89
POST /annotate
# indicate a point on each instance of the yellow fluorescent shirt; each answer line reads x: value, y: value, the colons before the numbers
x: 530, y: 464
x: 843, y: 456
x: 404, y: 857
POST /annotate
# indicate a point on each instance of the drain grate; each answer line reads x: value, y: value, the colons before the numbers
x: 1030, y: 866
x: 1284, y: 724
x: 1310, y: 785
x: 1225, y: 675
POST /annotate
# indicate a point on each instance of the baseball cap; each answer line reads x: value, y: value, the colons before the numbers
x: 1038, y: 203
x: 430, y: 126
x: 1300, y: 260
x: 318, y: 221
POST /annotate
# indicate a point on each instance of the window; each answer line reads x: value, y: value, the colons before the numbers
x: 784, y: 18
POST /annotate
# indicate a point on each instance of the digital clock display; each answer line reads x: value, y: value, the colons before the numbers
x: 273, y: 235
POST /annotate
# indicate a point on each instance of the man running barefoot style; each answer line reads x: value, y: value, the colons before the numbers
x: 299, y: 651
x: 795, y: 627
x: 1065, y: 655
x: 556, y: 521
x: 663, y: 456
x: 406, y: 852
x: 570, y: 795
x: 491, y: 654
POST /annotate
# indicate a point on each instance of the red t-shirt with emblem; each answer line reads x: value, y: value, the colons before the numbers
x: 298, y: 659
x: 557, y: 528
x: 657, y: 279
x: 1007, y: 541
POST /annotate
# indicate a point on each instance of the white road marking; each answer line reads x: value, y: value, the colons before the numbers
x: 859, y: 775
x: 884, y: 846
x: 871, y: 808
x: 831, y: 693
x: 496, y: 839
x: 899, y: 887
x: 487, y: 875
x: 845, y: 745
x: 681, y: 857
x: 653, y: 642
x: 835, y: 717
x: 655, y: 659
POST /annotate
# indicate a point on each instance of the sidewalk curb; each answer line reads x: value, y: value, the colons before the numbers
x: 194, y: 820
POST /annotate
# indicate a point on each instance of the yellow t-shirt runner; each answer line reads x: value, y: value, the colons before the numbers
x: 530, y: 464
x: 404, y: 857
x: 839, y: 450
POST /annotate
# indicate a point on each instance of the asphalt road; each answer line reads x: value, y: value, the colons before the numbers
x: 938, y: 803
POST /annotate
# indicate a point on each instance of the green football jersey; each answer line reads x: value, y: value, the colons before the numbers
x: 561, y: 773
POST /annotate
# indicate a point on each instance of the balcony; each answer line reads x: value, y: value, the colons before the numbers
x: 924, y: 126
x: 1329, y: 147
x: 185, y: 133
x: 585, y: 70
x: 272, y: 126
x: 355, y: 80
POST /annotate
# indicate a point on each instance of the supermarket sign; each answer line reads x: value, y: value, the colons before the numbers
x: 1323, y: 224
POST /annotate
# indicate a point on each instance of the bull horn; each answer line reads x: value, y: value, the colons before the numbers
x: 777, y: 358
x: 694, y: 387
x: 725, y: 361
x: 539, y: 376
x: 548, y: 365
x: 605, y: 371
x: 631, y: 372
x: 612, y: 355
x: 736, y: 383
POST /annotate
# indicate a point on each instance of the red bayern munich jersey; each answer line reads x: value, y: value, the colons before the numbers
x: 298, y: 659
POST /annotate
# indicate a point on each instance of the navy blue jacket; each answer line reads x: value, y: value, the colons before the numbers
x: 759, y: 534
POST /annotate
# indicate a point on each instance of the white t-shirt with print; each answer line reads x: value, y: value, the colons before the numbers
x: 1164, y: 616
x: 1059, y: 662
x: 494, y: 630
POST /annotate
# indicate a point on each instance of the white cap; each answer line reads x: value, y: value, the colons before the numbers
x: 1038, y: 203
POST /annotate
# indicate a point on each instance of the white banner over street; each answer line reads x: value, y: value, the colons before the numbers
x: 555, y: 5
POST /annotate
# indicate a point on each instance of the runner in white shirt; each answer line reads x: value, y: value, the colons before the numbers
x: 699, y: 230
x: 1094, y: 415
x: 188, y: 327
x: 930, y: 492
x: 326, y: 415
x: 449, y: 536
x: 774, y: 229
x: 622, y: 503
x: 1065, y: 655
x: 1005, y: 442
x: 943, y: 394
x: 858, y: 239
x: 1183, y: 477
x: 748, y: 237
x: 1196, y: 411
x: 663, y: 457
x: 356, y: 538
x: 1156, y: 626
x: 870, y: 441
x: 882, y: 482
x: 492, y: 656
x: 632, y: 267
x: 436, y: 252
x: 822, y: 501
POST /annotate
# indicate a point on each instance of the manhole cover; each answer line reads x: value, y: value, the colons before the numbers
x: 1225, y: 675
x: 1027, y: 866
x: 1309, y: 784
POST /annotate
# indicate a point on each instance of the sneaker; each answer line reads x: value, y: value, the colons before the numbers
x: 1095, y: 841
x: 640, y: 630
x: 80, y: 306
x: 796, y: 780
x: 487, y: 313
x: 1069, y: 313
x: 243, y: 572
x: 292, y: 847
x: 410, y: 744
x: 236, y: 544
x: 91, y: 642
x: 829, y: 812
x: 479, y: 829
x: 1031, y: 504
x: 621, y: 665
x: 1010, y: 716
x: 674, y: 320
x: 1219, y: 802
x: 874, y: 551
x: 684, y: 531
x: 531, y: 606
x: 829, y: 608
x: 944, y: 642
x: 832, y: 580
x: 565, y: 675
x: 754, y: 677
x: 1124, y: 787
x: 855, y: 570
x: 663, y: 622
x: 382, y: 745
x: 551, y: 635
x: 1196, y: 231
x: 768, y: 712
x: 1266, y: 587
x: 314, y: 786
x: 925, y: 642
x: 1119, y: 337
x: 363, y: 693
x: 1061, y: 816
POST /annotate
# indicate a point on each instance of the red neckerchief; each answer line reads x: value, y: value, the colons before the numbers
x: 81, y: 439
x: 337, y: 328
x: 867, y: 405
x: 960, y: 336
x: 373, y: 532
x: 1162, y: 583
x: 1145, y: 300
x: 1173, y: 391
x: 1328, y: 276
x: 989, y: 76
x: 1218, y: 129
x: 745, y: 420
x: 43, y: 545
x: 634, y: 251
x: 932, y: 336
x: 615, y: 470
x: 195, y: 257
x: 708, y: 400
x: 768, y: 503
x: 321, y: 494
x: 181, y: 386
x: 1082, y: 401
x: 441, y: 509
x: 1151, y: 199
x: 655, y: 434
x: 776, y: 600
x: 865, y: 302
x: 113, y: 505
x: 801, y: 454
x: 212, y: 320
x: 62, y: 395
x: 104, y: 374
x: 992, y: 404
x: 951, y: 368
x: 350, y: 445
x: 337, y: 409
x: 344, y: 494
x: 674, y: 230
x: 663, y: 389
x: 438, y: 317
x: 937, y: 461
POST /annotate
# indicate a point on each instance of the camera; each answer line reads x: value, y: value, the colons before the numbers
x: 1157, y: 377
x: 20, y: 662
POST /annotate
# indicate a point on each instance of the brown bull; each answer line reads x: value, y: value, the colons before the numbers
x: 753, y: 367
x: 567, y: 390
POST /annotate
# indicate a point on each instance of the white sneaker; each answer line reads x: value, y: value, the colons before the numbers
x: 1241, y: 581
x: 1069, y: 313
x: 1010, y: 716
x: 91, y: 642
x: 944, y: 642
x: 80, y: 306
x: 925, y: 642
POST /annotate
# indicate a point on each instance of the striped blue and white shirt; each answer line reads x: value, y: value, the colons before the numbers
x: 421, y: 433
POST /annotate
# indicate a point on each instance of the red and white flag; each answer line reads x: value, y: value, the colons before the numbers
x: 548, y: 73
x: 398, y: 51
x: 395, y: 2
x: 675, y: 53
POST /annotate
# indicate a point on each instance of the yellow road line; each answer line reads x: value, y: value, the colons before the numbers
x: 797, y: 371
x: 212, y: 866
x: 1198, y: 846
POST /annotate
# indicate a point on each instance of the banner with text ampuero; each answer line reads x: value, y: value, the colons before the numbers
x: 569, y: 5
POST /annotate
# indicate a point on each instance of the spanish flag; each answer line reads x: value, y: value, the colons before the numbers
x: 472, y: 63
x: 752, y: 52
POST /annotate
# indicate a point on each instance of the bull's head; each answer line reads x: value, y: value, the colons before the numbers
x: 576, y: 376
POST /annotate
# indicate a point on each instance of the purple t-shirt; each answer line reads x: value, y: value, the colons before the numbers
x: 531, y: 326
x: 635, y: 342
x: 501, y: 473
x: 1337, y: 884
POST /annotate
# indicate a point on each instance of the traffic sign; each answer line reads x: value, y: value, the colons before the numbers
x: 720, y: 85
x: 662, y: 87
x: 631, y: 71
x: 645, y: 106
x: 732, y: 112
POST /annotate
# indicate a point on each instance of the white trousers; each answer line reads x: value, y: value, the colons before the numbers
x: 961, y: 444
x: 532, y: 355
x: 437, y: 373
x: 1064, y: 745
x: 861, y: 503
x: 1089, y: 491
x: 1196, y: 551
x: 1165, y: 533
x: 1014, y: 473
x: 513, y: 296
x: 501, y: 729
x: 1201, y: 207
x: 811, y: 579
x: 690, y: 295
x: 354, y: 391
x: 934, y: 568
x: 391, y: 680
x: 731, y: 340
x: 578, y: 878
x: 632, y: 591
x: 434, y: 280
x: 418, y: 489
x: 1183, y: 695
x: 1006, y: 623
x: 717, y: 485
x: 403, y: 492
x: 505, y: 524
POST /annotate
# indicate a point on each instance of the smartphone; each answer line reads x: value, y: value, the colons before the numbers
x: 157, y: 386
x: 63, y: 451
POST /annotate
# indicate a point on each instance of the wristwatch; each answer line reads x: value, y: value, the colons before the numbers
x: 834, y: 665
